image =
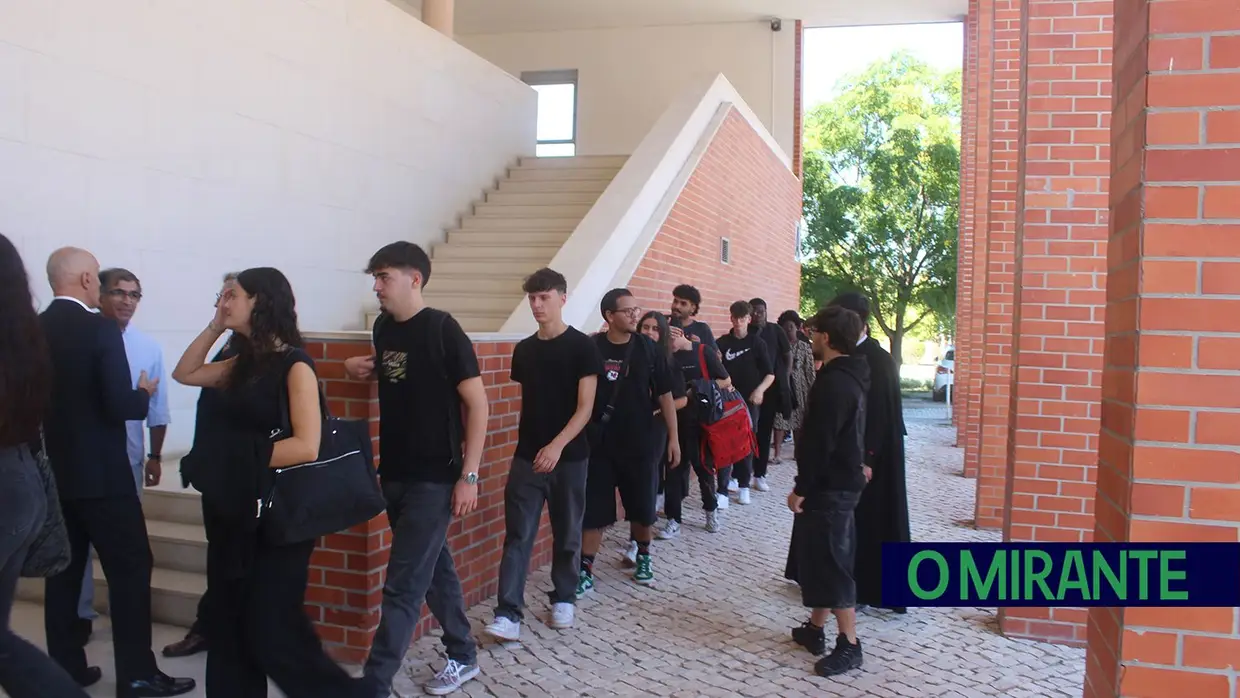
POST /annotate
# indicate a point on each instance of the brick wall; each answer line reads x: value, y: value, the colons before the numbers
x: 346, y: 578
x: 964, y: 259
x: 1064, y: 168
x: 741, y: 191
x: 974, y: 360
x: 999, y: 306
x: 1169, y: 465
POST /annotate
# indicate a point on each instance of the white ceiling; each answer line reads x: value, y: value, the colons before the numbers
x: 499, y: 16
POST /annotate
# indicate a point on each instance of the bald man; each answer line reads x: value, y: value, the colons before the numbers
x: 93, y: 395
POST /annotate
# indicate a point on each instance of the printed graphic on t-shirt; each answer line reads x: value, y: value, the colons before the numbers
x: 612, y: 370
x: 734, y: 355
x: 395, y: 366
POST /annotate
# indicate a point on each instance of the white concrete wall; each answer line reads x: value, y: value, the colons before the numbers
x: 186, y: 138
x: 629, y: 76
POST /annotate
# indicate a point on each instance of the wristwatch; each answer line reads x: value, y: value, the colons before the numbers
x: 470, y: 478
x: 154, y: 456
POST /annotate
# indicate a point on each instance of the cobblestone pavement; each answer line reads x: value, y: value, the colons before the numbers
x: 717, y: 622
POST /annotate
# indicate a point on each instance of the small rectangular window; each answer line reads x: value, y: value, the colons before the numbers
x: 557, y: 111
x: 725, y: 250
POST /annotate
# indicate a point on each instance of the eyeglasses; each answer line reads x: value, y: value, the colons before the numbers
x: 629, y: 311
x: 122, y: 293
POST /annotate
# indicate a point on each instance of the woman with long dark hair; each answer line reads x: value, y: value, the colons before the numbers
x: 655, y: 326
x: 258, y: 628
x: 25, y: 390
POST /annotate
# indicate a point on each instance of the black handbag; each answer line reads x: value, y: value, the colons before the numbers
x: 333, y: 493
x: 49, y: 554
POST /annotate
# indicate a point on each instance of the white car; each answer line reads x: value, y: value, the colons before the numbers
x: 945, y: 375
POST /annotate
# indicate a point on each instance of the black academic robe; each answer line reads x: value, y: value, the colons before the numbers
x: 882, y: 514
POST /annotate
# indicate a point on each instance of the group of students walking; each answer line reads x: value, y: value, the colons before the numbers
x: 600, y: 414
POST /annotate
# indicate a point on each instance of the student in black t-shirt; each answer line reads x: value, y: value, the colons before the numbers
x: 558, y: 369
x: 427, y: 370
x: 655, y: 328
x: 747, y: 360
x: 686, y: 302
x: 687, y: 359
x: 623, y: 436
x: 779, y: 397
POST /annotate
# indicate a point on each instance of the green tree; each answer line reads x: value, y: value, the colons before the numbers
x: 882, y: 189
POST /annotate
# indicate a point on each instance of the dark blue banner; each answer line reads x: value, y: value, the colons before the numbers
x: 1061, y: 574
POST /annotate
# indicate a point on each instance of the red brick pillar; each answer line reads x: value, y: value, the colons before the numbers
x: 972, y: 362
x: 798, y: 108
x: 999, y: 308
x: 964, y: 245
x: 1061, y: 298
x: 1169, y: 467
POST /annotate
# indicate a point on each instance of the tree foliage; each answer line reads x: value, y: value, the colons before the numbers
x: 882, y: 188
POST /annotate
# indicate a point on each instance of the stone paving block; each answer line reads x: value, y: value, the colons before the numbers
x: 718, y: 622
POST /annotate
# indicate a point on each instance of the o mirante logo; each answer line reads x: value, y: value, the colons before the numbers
x: 1061, y: 574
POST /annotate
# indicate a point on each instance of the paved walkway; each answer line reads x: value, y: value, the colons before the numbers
x: 717, y: 623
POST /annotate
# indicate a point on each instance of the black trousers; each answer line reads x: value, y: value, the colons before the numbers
x: 116, y: 528
x: 210, y: 523
x: 677, y: 488
x: 258, y: 628
x: 764, y: 431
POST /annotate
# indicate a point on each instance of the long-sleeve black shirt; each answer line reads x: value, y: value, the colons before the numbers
x: 829, y: 451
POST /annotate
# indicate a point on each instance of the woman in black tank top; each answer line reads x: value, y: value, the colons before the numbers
x: 258, y: 627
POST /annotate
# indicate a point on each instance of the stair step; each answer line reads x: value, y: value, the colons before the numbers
x: 497, y: 282
x: 487, y: 303
x: 507, y: 237
x: 560, y: 174
x: 535, y: 224
x: 489, y: 267
x: 500, y: 210
x: 535, y: 186
x: 587, y: 161
x: 178, y: 546
x: 538, y: 254
x: 586, y: 198
x: 182, y: 507
x: 482, y: 322
x: 174, y: 594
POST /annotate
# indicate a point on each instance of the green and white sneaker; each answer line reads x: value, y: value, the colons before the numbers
x: 644, y: 574
x: 585, y: 583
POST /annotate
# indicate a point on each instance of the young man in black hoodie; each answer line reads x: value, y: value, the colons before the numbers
x: 830, y: 477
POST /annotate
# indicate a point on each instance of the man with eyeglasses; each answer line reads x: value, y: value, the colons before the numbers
x: 636, y: 379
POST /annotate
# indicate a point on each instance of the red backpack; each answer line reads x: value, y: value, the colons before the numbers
x: 727, y: 434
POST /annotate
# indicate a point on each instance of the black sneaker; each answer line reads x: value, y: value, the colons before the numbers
x: 811, y: 637
x: 845, y: 657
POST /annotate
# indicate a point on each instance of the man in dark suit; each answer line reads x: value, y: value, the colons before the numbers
x: 93, y: 396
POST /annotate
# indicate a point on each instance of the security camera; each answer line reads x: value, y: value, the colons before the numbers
x: 776, y: 24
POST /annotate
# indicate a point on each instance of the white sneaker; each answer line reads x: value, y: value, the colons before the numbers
x: 562, y: 615
x: 732, y: 485
x: 712, y: 522
x: 723, y: 500
x: 670, y: 530
x: 629, y: 557
x: 658, y: 505
x: 450, y: 678
x: 505, y: 629
x: 742, y: 496
x: 759, y: 484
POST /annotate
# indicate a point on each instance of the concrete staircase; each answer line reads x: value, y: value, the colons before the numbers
x: 517, y: 228
x: 179, y: 544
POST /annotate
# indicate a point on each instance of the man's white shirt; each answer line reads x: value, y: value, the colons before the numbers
x: 144, y: 354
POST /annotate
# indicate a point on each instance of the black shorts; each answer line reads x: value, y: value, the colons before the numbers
x: 637, y: 479
x: 825, y: 536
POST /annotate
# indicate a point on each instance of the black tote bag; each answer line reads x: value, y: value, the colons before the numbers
x: 338, y: 490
